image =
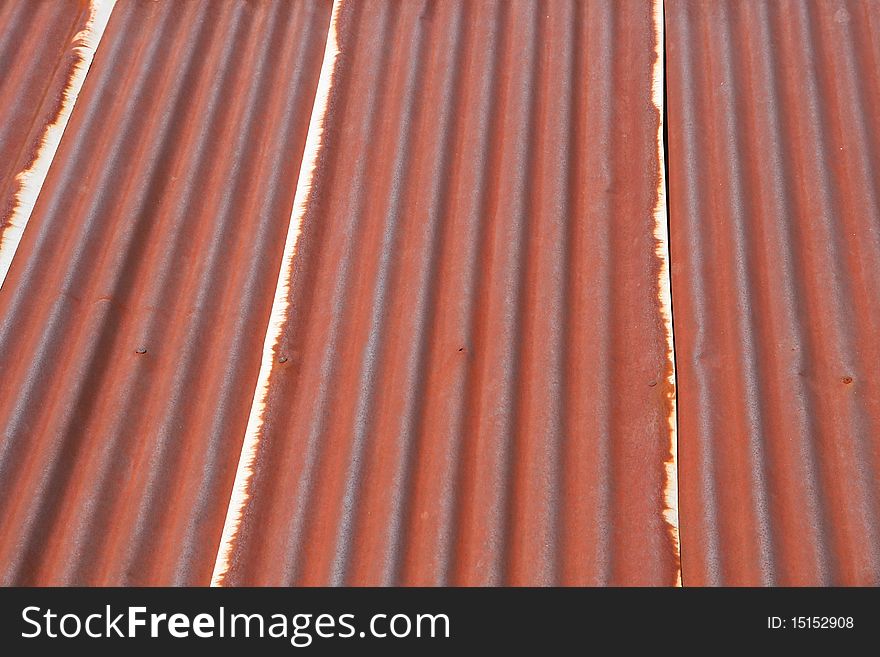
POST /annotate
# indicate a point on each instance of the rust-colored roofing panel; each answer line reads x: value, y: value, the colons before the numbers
x: 365, y: 292
x: 774, y: 169
x: 135, y: 309
x: 45, y: 50
x: 468, y: 375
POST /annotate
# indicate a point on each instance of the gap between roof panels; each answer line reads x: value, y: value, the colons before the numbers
x: 30, y: 181
x: 665, y: 162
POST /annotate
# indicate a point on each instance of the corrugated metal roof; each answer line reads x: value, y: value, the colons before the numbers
x: 470, y: 380
x: 133, y: 315
x: 364, y: 292
x: 774, y: 170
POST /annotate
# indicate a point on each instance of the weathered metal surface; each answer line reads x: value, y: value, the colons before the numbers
x: 135, y: 309
x: 774, y: 170
x: 470, y: 378
x: 45, y: 51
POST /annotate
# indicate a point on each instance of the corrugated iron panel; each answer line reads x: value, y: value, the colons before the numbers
x: 470, y: 379
x: 132, y: 318
x: 774, y: 169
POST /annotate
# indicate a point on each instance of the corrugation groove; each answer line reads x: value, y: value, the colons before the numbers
x: 133, y: 315
x: 775, y: 223
x: 469, y: 387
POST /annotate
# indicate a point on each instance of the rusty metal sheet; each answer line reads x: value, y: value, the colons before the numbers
x: 468, y: 376
x: 134, y: 312
x: 46, y: 48
x: 774, y: 173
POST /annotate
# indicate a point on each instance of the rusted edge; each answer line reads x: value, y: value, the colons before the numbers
x: 280, y: 305
x: 29, y: 182
x: 664, y: 288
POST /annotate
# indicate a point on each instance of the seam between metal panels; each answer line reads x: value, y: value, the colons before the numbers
x: 280, y: 306
x: 665, y: 169
x: 30, y: 181
x: 661, y: 234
